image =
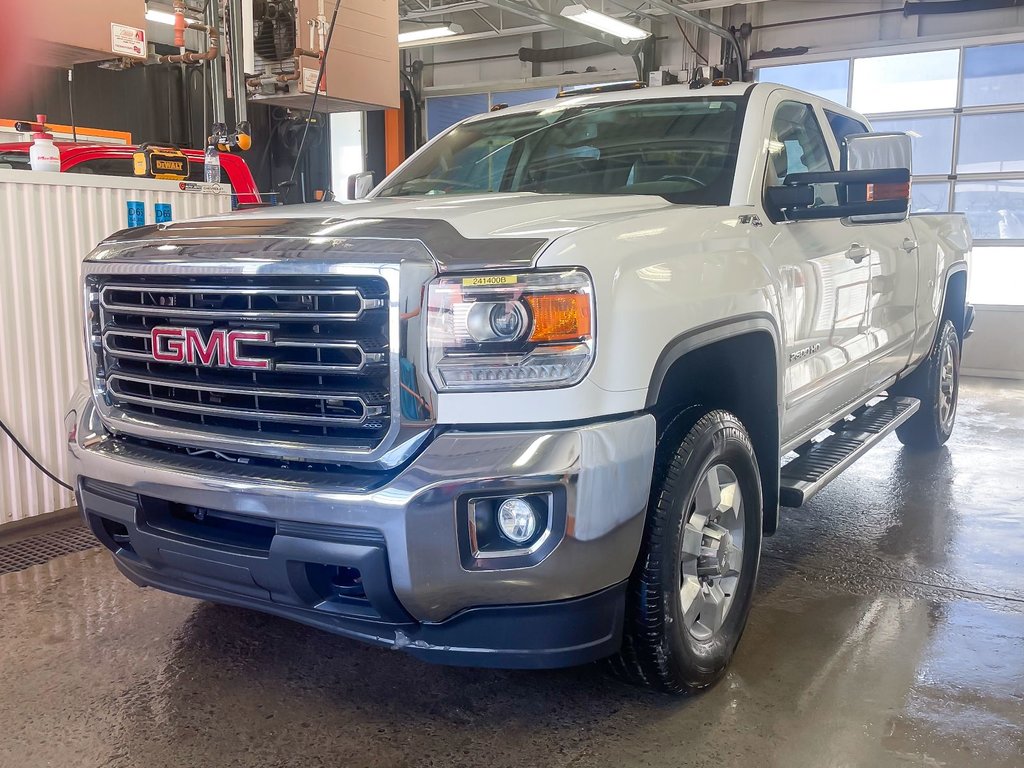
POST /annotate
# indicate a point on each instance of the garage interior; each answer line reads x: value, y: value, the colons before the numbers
x: 887, y: 628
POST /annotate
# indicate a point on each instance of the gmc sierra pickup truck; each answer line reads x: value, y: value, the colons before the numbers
x: 537, y: 398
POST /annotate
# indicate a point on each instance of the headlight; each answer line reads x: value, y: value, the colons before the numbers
x: 510, y: 331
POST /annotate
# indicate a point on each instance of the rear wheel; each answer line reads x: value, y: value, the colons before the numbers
x: 936, y: 383
x: 692, y: 586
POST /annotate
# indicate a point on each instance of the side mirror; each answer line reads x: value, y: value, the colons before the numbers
x: 873, y: 185
x: 359, y: 185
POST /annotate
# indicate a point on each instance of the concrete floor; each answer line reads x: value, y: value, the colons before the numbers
x: 888, y: 630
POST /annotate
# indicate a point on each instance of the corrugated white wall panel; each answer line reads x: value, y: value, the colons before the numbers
x: 48, y: 223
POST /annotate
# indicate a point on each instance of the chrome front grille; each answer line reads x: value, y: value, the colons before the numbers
x: 324, y: 341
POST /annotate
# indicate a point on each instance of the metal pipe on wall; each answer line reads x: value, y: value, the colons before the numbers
x: 216, y: 69
x: 237, y: 66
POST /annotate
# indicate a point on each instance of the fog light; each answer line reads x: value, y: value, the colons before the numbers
x: 517, y: 520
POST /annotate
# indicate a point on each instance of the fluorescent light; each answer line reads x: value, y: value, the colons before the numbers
x: 428, y: 33
x: 160, y: 17
x: 620, y: 29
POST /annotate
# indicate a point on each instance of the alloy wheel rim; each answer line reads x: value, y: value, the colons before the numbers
x: 711, y: 557
x: 947, y: 386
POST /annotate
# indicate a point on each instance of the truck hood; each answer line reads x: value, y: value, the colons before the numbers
x: 495, y: 231
x: 519, y: 214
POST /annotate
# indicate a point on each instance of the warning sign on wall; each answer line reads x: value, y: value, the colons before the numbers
x: 309, y: 80
x: 128, y: 41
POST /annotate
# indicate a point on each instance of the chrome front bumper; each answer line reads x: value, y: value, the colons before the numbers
x: 404, y: 534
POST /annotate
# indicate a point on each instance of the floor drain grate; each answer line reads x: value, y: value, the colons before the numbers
x: 40, y: 549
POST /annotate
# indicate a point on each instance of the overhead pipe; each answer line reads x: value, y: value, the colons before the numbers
x: 627, y: 48
x: 191, y: 57
x: 708, y: 26
x: 926, y: 8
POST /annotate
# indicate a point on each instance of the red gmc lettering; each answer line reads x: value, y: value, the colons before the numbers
x: 235, y: 360
x: 171, y: 351
x: 222, y: 348
x: 202, y: 352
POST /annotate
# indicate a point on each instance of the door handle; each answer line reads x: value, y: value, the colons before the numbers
x: 857, y: 252
x: 909, y: 244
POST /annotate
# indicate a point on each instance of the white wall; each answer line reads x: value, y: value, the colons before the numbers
x: 348, y: 154
x: 996, y: 349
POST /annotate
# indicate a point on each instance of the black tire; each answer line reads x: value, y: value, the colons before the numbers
x: 934, y: 383
x: 659, y: 649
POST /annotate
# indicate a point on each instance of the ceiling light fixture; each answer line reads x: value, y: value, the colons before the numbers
x: 428, y: 33
x: 160, y: 17
x: 620, y: 29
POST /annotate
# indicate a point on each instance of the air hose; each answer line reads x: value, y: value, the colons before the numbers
x: 18, y: 444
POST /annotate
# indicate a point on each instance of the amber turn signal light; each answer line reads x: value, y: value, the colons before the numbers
x: 888, y: 191
x: 559, y: 316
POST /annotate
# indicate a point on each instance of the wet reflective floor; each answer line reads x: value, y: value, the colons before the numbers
x: 888, y: 630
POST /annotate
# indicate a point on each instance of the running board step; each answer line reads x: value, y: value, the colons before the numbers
x: 822, y: 462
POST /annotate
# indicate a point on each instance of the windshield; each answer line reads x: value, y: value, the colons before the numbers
x: 683, y: 150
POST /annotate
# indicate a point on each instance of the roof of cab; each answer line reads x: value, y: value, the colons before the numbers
x: 680, y: 91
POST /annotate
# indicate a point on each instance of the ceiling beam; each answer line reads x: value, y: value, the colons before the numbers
x: 470, y: 5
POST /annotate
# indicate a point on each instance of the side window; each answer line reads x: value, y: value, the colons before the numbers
x: 843, y: 126
x: 797, y: 145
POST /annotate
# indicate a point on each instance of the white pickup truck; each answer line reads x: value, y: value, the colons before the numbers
x: 536, y: 399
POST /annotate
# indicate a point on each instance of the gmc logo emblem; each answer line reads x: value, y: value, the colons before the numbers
x: 223, y: 348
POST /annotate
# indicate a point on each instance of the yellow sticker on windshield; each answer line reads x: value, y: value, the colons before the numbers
x: 481, y: 281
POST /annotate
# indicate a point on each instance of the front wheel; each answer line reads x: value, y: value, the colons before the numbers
x: 692, y: 587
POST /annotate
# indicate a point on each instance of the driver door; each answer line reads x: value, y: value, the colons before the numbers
x: 824, y: 280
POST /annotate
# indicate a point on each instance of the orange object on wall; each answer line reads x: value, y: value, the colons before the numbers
x: 394, y: 138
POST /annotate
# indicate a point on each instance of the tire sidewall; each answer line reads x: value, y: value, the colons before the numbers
x: 725, y: 444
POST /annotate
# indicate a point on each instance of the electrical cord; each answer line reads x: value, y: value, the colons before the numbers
x: 687, y: 39
x: 316, y: 92
x: 33, y: 459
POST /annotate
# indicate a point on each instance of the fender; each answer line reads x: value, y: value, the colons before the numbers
x: 765, y: 436
x: 720, y: 330
x: 953, y: 269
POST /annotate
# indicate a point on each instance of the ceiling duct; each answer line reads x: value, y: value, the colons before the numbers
x: 538, y: 56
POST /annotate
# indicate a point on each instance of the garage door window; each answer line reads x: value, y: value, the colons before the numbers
x: 991, y: 143
x: 994, y: 74
x: 932, y: 139
x: 828, y: 79
x: 994, y: 208
x: 929, y: 197
x: 908, y: 81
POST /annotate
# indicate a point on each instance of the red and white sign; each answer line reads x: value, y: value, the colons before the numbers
x: 309, y: 80
x: 128, y: 41
x: 187, y: 346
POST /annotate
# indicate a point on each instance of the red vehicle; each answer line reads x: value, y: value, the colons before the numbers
x: 116, y: 160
